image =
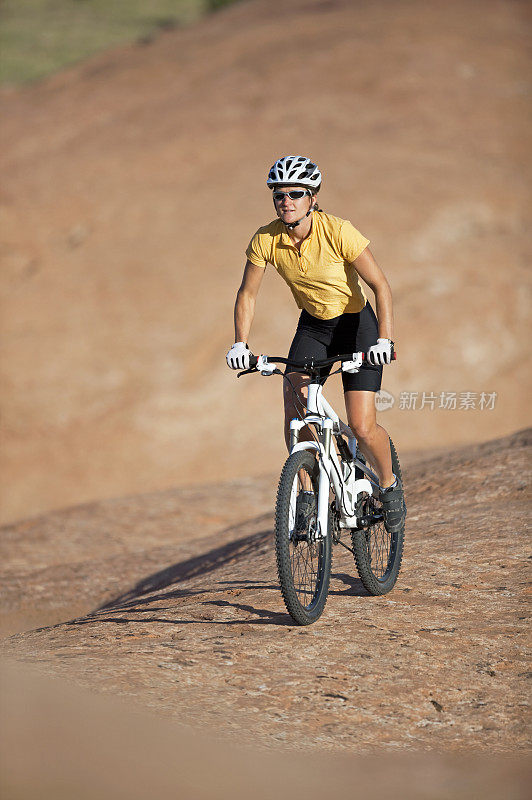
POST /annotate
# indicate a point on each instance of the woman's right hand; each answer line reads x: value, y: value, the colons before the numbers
x: 238, y: 356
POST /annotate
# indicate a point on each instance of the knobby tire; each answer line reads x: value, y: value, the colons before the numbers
x: 304, y: 567
x: 378, y: 553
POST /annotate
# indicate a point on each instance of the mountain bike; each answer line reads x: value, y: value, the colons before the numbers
x: 341, y: 497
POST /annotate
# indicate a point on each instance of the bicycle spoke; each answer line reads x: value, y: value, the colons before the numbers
x: 304, y: 555
x: 379, y: 545
x: 303, y: 562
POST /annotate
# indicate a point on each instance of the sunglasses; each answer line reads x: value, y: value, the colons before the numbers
x: 296, y: 194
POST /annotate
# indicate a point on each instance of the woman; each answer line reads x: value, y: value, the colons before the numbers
x: 321, y: 258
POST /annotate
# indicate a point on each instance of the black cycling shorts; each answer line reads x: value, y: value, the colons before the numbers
x: 348, y: 333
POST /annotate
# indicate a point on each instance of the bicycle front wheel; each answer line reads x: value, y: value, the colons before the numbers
x: 303, y: 560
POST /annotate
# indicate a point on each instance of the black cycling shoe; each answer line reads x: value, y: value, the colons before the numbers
x: 305, y: 510
x: 393, y: 507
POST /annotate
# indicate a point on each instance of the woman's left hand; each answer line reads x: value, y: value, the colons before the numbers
x: 381, y: 353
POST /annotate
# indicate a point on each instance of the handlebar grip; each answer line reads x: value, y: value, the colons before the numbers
x: 365, y: 357
x: 253, y: 361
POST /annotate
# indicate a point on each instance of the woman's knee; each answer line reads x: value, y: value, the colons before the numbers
x: 295, y: 395
x: 363, y: 428
x: 361, y: 413
x: 363, y: 423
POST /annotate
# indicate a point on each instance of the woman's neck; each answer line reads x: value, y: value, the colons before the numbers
x: 302, y: 231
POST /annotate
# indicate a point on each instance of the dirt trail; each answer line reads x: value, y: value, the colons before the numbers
x: 183, y: 614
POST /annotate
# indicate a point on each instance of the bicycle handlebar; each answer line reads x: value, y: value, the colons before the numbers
x: 311, y: 364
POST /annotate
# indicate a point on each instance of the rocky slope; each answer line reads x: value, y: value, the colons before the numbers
x: 171, y: 600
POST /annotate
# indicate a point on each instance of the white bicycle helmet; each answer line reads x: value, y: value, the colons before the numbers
x: 294, y: 171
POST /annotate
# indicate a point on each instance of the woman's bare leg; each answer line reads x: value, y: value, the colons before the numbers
x: 292, y: 409
x: 371, y: 437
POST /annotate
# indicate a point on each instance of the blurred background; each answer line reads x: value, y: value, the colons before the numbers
x: 135, y: 143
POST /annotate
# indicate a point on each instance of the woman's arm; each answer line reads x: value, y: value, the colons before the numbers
x: 245, y: 300
x: 372, y: 274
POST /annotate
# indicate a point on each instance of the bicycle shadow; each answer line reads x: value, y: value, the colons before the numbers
x: 184, y: 571
x: 156, y: 587
x: 137, y: 603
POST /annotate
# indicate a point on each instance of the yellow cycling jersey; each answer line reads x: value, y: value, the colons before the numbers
x: 320, y: 275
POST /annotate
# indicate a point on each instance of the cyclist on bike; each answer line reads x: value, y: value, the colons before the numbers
x: 322, y: 258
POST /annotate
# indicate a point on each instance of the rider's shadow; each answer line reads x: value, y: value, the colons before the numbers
x: 264, y: 616
x: 172, y: 583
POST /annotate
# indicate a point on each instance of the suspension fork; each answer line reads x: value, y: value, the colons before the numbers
x: 324, y: 480
x: 324, y: 463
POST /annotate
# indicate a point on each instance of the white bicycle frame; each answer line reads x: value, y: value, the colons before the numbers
x: 340, y: 474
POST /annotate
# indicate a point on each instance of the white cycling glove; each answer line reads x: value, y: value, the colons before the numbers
x: 238, y: 356
x: 381, y: 353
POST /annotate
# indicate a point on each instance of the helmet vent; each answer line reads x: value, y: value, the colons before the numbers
x: 294, y: 170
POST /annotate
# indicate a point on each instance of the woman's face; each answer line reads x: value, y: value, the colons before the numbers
x: 288, y: 209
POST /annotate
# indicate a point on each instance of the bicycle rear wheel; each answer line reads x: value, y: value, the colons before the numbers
x: 303, y: 561
x: 378, y: 553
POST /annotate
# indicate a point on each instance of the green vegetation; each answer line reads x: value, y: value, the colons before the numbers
x: 38, y: 37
